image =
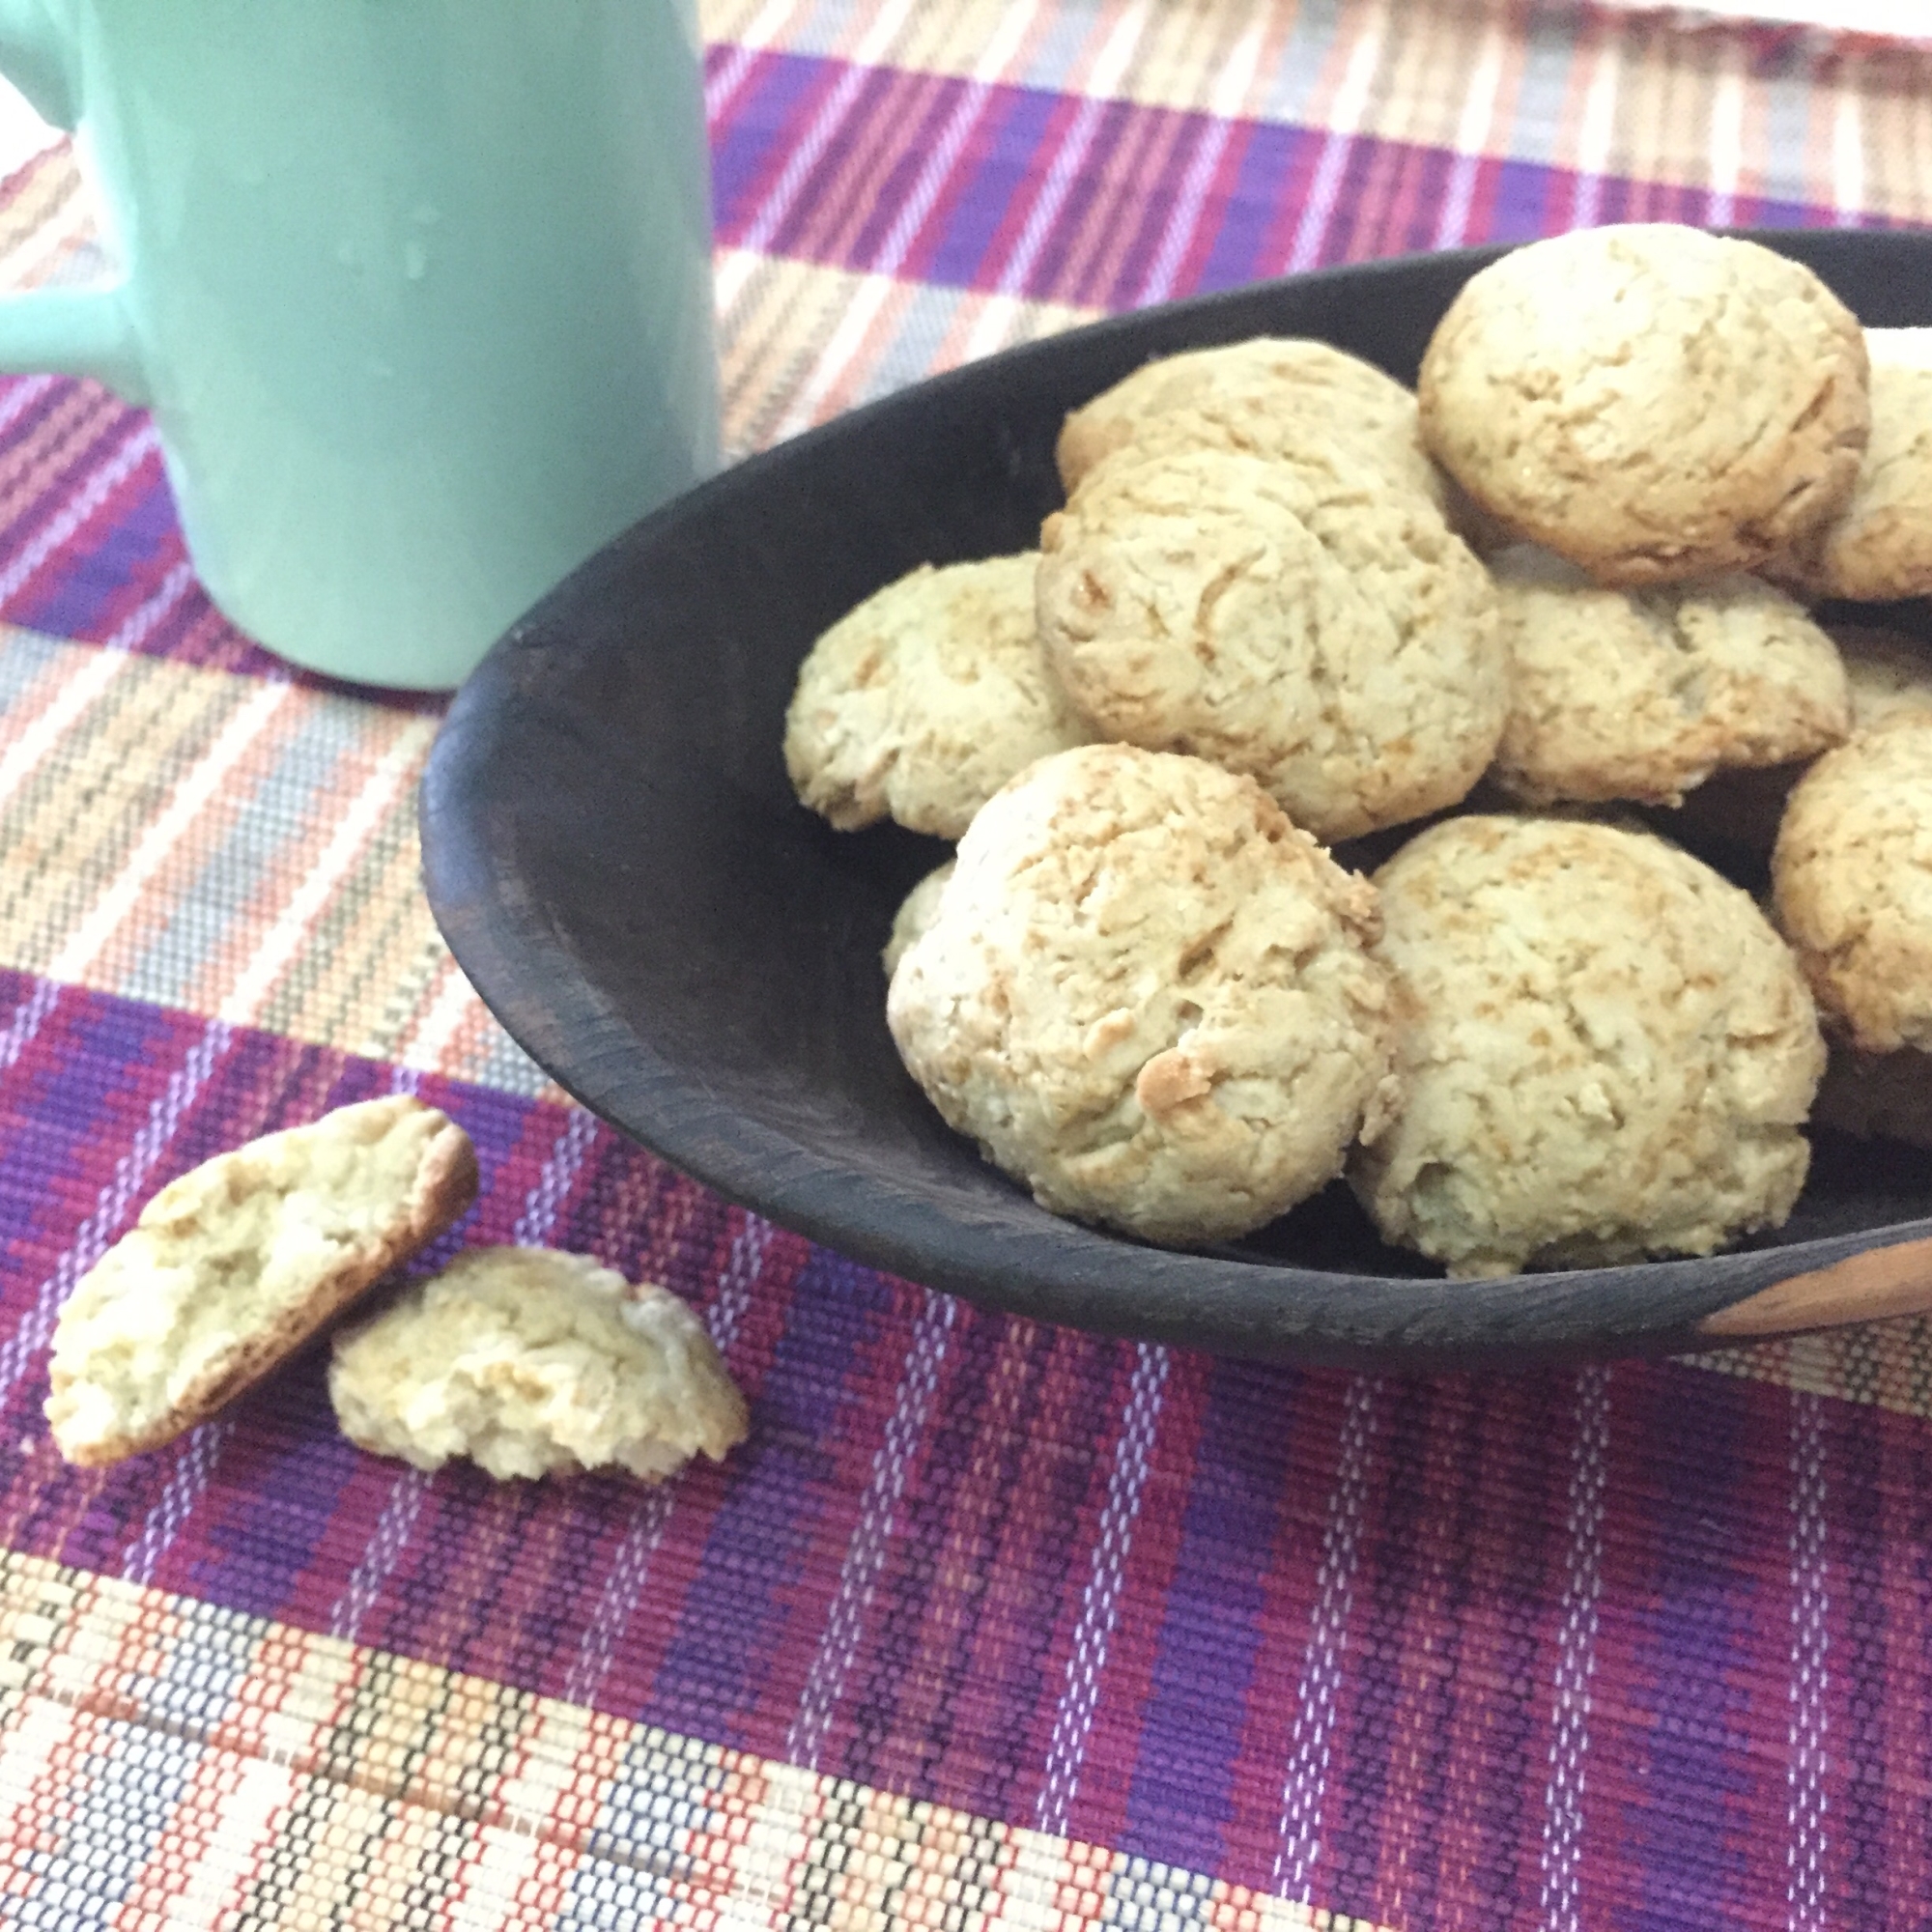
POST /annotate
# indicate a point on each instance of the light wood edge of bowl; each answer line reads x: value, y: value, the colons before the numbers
x: 1870, y: 1286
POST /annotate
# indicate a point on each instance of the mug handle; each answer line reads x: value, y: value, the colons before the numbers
x: 70, y: 331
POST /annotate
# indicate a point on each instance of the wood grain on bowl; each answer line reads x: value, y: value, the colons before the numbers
x: 1869, y: 1287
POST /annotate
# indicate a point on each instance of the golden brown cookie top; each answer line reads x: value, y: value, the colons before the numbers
x: 1266, y: 396
x: 918, y: 705
x: 1297, y: 622
x: 1653, y: 402
x: 1607, y: 1053
x: 1643, y: 694
x: 1879, y: 543
x: 1148, y: 997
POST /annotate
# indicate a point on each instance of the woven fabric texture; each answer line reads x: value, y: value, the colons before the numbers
x: 988, y: 1623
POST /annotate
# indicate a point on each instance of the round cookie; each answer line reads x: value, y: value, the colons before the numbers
x: 1148, y: 997
x: 1607, y: 1053
x: 926, y: 699
x: 1263, y: 397
x: 1652, y: 402
x: 1852, y: 882
x: 1880, y: 545
x: 1297, y: 622
x: 1643, y: 694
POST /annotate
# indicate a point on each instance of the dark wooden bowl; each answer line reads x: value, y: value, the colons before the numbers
x: 613, y: 852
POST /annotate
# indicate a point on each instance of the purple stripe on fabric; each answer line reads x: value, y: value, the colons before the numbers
x: 1863, y: 1845
x: 123, y: 560
x: 1695, y: 1660
x: 1390, y: 1592
x: 1177, y: 1805
x: 1269, y: 155
x: 957, y: 1671
x: 87, y: 1075
x: 764, y: 118
x: 1385, y: 201
x: 967, y: 237
x: 921, y: 115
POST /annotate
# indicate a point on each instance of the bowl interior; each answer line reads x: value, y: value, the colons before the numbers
x: 615, y: 855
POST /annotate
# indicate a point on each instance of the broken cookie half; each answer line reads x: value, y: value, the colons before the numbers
x: 233, y: 1267
x: 534, y: 1363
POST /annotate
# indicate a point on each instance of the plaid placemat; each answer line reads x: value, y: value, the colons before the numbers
x: 988, y: 1623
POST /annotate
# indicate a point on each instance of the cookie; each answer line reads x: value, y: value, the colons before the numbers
x: 921, y: 703
x: 914, y: 914
x: 233, y: 1267
x: 1147, y: 996
x: 1641, y: 695
x: 1852, y: 883
x: 1606, y: 1052
x: 1879, y: 545
x: 1298, y: 623
x: 1263, y: 397
x: 534, y: 1363
x: 1652, y: 402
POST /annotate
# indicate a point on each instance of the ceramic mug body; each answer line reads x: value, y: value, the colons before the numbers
x: 419, y: 292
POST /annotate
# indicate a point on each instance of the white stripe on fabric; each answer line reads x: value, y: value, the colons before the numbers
x: 1810, y: 1674
x: 1100, y: 1605
x: 871, y: 1536
x: 1576, y: 1655
x: 1305, y: 1786
x: 629, y: 1567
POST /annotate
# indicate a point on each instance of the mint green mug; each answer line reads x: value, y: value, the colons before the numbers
x: 419, y: 292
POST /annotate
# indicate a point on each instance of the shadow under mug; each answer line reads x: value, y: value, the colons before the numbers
x: 418, y: 292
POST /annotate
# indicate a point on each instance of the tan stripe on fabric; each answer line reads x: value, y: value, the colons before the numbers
x: 1886, y: 1364
x: 313, y: 1773
x: 115, y: 873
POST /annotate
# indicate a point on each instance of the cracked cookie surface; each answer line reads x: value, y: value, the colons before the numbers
x: 918, y: 705
x: 1643, y: 695
x: 1606, y: 1051
x: 1148, y: 997
x: 1296, y: 622
x: 1652, y: 402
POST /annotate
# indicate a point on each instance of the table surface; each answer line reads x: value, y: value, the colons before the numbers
x: 987, y: 1622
